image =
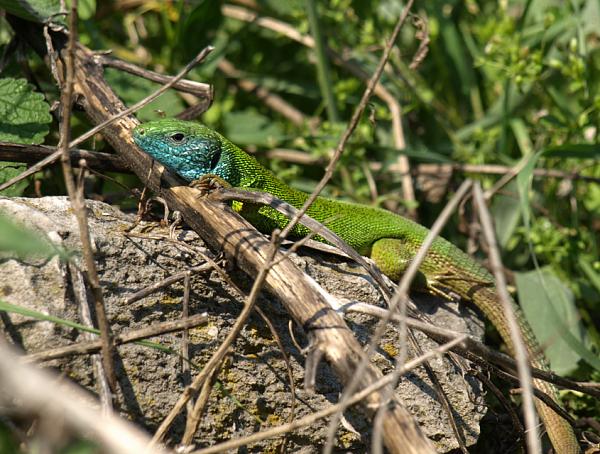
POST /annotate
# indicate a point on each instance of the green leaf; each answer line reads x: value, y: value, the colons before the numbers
x: 588, y: 269
x: 524, y: 179
x: 85, y: 8
x: 574, y: 150
x: 9, y: 170
x: 549, y: 307
x: 26, y: 312
x: 250, y: 127
x: 522, y: 135
x: 506, y: 212
x: 33, y: 10
x: 206, y: 17
x: 8, y: 307
x: 24, y: 114
x: 132, y: 89
x: 24, y: 242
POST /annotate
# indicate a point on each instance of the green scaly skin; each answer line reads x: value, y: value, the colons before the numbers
x: 194, y: 151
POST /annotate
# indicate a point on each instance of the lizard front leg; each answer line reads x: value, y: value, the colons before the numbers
x: 392, y: 256
x: 209, y: 182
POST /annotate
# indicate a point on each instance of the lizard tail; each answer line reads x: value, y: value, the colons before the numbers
x: 559, y: 430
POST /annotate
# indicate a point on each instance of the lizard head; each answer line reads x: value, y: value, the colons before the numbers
x: 189, y: 149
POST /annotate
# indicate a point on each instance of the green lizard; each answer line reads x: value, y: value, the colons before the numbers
x: 196, y: 152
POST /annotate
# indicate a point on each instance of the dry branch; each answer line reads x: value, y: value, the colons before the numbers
x: 225, y: 230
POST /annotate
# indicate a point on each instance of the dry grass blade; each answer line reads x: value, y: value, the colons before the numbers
x: 41, y: 393
x: 310, y: 419
x: 362, y: 105
x: 401, y: 295
x: 524, y: 371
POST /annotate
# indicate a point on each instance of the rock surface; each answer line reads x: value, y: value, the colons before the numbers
x: 253, y: 390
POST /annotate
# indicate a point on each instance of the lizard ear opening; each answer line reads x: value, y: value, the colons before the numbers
x: 216, y: 157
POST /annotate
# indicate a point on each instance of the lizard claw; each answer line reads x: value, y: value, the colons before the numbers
x: 208, y: 183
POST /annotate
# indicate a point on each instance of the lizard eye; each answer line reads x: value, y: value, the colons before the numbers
x: 178, y: 137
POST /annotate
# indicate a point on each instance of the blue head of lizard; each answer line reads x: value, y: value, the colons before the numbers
x: 189, y: 149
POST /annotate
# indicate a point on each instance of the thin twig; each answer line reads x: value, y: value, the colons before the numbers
x: 218, y: 356
x: 523, y: 368
x: 292, y: 33
x: 55, y: 156
x: 30, y: 154
x: 473, y: 347
x: 165, y: 282
x: 275, y: 102
x: 40, y: 392
x: 310, y: 419
x: 301, y: 157
x: 196, y: 409
x: 400, y: 296
x: 198, y: 89
x: 80, y: 296
x: 489, y: 384
x: 185, y: 337
x: 78, y: 204
x: 84, y: 348
x: 226, y: 194
x: 353, y: 122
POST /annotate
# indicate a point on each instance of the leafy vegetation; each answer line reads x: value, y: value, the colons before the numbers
x: 512, y: 83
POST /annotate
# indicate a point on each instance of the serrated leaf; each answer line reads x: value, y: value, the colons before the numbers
x: 24, y: 114
x: 549, y: 307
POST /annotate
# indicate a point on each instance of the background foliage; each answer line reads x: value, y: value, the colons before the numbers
x: 504, y: 82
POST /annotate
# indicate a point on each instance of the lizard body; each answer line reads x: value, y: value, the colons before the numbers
x: 194, y: 151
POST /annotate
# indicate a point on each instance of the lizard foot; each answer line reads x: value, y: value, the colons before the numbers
x: 434, y: 287
x: 453, y: 276
x: 208, y: 183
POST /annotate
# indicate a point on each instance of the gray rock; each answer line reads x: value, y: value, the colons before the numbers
x: 253, y: 390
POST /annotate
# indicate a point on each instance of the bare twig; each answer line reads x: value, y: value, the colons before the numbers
x: 292, y: 33
x: 166, y: 282
x: 353, y: 122
x: 520, y: 351
x: 275, y: 102
x: 184, y: 85
x: 489, y: 384
x: 301, y: 157
x: 30, y: 154
x: 310, y: 419
x: 196, y: 409
x: 218, y: 356
x: 78, y: 205
x: 83, y: 348
x: 80, y: 295
x: 185, y: 336
x: 225, y: 194
x: 473, y: 347
x: 39, y: 392
x: 55, y: 156
x: 401, y: 293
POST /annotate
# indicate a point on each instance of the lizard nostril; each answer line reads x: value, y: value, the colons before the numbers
x: 141, y: 131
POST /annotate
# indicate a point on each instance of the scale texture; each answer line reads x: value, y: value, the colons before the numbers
x: 196, y: 152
